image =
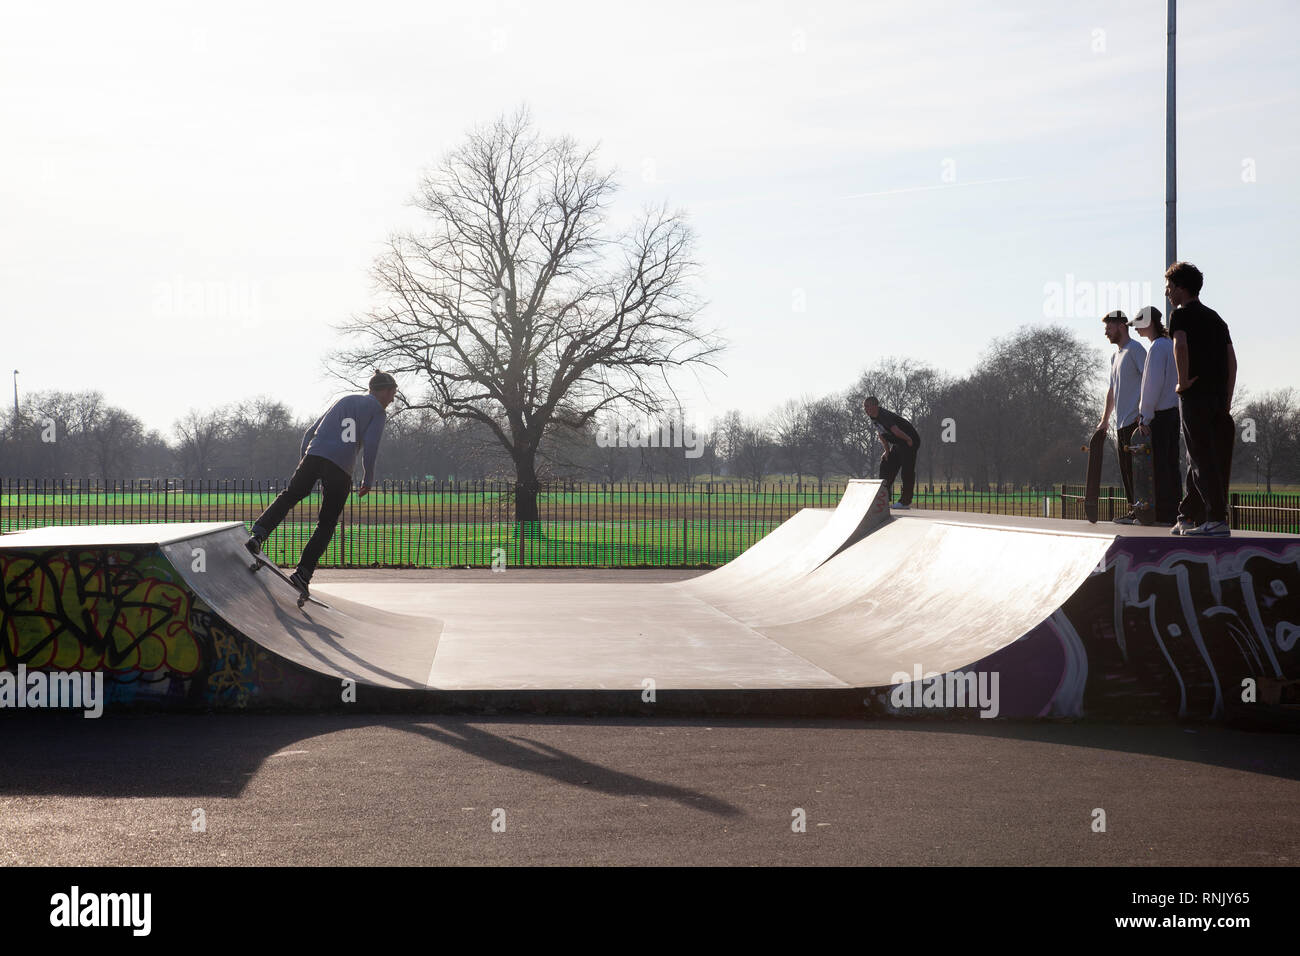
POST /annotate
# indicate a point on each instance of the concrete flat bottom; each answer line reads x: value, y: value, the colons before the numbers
x: 600, y: 636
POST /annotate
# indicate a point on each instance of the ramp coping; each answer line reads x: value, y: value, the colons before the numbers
x: 101, y: 535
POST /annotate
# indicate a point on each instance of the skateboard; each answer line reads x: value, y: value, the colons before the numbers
x: 1229, y: 445
x: 1092, y: 490
x: 1144, y: 480
x: 260, y: 561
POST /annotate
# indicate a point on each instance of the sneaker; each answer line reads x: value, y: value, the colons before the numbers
x: 298, y: 581
x: 1129, y: 518
x: 1211, y: 529
x: 900, y: 507
x: 254, y: 545
x: 1182, y: 526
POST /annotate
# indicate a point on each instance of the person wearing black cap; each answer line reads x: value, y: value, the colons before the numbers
x: 329, y: 453
x: 900, y: 441
x: 1122, y: 398
x: 1207, y: 375
x: 1158, y: 413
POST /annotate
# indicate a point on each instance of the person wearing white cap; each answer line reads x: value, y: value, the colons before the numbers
x: 1158, y: 413
x: 1122, y: 398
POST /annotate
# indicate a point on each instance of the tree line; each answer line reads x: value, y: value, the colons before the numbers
x: 1019, y: 417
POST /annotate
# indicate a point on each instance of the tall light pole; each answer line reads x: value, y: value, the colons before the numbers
x: 15, y: 398
x: 1171, y: 150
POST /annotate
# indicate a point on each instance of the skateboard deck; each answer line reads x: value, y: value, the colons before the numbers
x: 1144, y: 480
x: 1092, y: 489
x: 261, y: 561
x: 1229, y: 445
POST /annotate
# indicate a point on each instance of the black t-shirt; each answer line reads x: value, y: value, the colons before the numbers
x: 887, y: 420
x: 1207, y: 347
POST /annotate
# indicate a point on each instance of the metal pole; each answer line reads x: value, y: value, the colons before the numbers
x: 15, y: 398
x: 1171, y: 150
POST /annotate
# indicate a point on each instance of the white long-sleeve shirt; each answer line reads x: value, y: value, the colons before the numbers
x: 1159, y: 380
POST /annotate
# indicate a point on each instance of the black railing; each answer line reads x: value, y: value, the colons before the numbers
x: 1112, y: 503
x: 450, y: 524
x: 1258, y: 511
x: 455, y: 524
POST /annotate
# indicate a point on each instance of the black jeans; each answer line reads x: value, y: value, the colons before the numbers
x: 1209, y: 432
x: 1124, y: 438
x: 335, y: 483
x: 900, y: 456
x: 1164, y: 464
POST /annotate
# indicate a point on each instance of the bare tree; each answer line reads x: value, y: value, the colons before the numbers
x: 857, y: 435
x: 753, y: 451
x: 1042, y: 382
x: 1276, y: 420
x: 115, y: 437
x: 264, y: 438
x: 827, y: 426
x: 57, y: 426
x: 791, y: 429
x: 517, y: 310
x: 200, y: 437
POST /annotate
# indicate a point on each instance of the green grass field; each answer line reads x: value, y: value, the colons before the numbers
x: 592, y: 526
x: 559, y: 544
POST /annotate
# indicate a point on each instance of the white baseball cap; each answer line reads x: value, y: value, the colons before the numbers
x: 1144, y: 316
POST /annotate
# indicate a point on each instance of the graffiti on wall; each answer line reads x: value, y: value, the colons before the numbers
x: 128, y: 613
x: 122, y: 611
x: 1176, y: 630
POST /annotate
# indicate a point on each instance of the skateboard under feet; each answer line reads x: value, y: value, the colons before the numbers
x: 261, y: 561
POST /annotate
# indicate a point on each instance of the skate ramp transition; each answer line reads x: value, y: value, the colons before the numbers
x: 159, y: 606
x: 844, y: 611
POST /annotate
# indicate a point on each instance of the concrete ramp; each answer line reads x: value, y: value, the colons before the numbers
x: 796, y: 548
x: 934, y: 595
x: 347, y: 640
x: 834, y: 612
x: 129, y: 577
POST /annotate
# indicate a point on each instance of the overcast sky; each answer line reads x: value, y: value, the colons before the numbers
x: 191, y: 197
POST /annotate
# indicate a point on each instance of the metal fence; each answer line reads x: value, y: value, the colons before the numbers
x: 457, y: 524
x: 1247, y: 510
x: 450, y: 524
x: 1257, y: 511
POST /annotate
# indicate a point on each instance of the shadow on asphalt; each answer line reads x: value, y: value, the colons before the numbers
x: 532, y: 756
x: 216, y: 755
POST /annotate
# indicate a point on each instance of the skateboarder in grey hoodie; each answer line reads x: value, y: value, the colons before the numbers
x: 329, y: 453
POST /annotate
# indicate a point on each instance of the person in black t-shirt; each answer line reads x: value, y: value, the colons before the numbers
x: 900, y: 442
x: 1207, y: 375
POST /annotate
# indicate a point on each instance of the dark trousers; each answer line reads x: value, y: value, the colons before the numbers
x: 335, y: 483
x: 900, y: 457
x: 1164, y: 464
x: 1209, y: 432
x: 1124, y: 438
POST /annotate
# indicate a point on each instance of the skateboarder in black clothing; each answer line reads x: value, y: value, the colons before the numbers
x: 329, y: 452
x: 900, y: 441
x: 1207, y: 375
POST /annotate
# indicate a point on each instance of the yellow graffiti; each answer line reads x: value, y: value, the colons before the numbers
x: 91, y: 610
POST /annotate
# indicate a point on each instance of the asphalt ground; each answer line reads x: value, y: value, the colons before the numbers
x: 273, y: 790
